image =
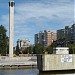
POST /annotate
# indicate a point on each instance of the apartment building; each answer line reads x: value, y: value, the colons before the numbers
x: 45, y: 38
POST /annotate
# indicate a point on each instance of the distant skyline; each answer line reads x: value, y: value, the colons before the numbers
x: 32, y: 16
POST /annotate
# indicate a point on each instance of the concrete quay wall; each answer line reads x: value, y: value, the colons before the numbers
x: 18, y: 67
x: 18, y: 61
x: 56, y: 62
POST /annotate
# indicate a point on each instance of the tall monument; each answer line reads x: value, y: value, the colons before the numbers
x: 11, y: 27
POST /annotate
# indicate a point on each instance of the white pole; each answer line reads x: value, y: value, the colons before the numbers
x: 11, y: 28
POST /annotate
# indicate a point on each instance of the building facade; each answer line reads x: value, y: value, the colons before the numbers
x: 73, y: 33
x: 45, y: 38
x: 68, y: 33
x: 60, y: 34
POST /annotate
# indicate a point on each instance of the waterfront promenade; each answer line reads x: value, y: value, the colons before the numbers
x: 18, y: 61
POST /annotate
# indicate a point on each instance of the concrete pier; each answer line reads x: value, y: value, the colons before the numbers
x: 54, y: 62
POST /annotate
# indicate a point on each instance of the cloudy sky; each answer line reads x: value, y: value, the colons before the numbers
x: 32, y: 16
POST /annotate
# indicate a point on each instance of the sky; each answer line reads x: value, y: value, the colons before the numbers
x: 32, y: 16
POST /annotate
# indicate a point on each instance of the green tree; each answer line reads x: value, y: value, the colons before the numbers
x: 38, y: 49
x: 49, y: 49
x: 71, y: 48
x: 3, y: 41
x: 54, y: 44
x: 25, y: 50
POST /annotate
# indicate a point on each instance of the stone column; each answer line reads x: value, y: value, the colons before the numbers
x: 11, y: 27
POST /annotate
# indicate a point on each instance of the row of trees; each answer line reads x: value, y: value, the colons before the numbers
x: 40, y: 49
x: 27, y: 50
x: 37, y: 49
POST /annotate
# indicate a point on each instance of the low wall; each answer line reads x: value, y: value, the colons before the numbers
x: 56, y: 62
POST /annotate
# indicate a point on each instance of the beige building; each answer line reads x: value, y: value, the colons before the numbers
x: 55, y: 36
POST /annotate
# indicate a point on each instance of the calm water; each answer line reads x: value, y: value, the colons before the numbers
x: 26, y: 72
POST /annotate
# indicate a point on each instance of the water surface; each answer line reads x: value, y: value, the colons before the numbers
x: 28, y: 72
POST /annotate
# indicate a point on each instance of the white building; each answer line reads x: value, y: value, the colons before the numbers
x: 23, y: 43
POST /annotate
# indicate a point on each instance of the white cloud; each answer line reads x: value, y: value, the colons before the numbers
x: 26, y: 11
x: 32, y: 16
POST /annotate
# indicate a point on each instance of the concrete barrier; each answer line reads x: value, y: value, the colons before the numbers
x: 52, y: 62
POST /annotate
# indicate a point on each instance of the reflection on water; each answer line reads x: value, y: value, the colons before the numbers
x: 33, y: 72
